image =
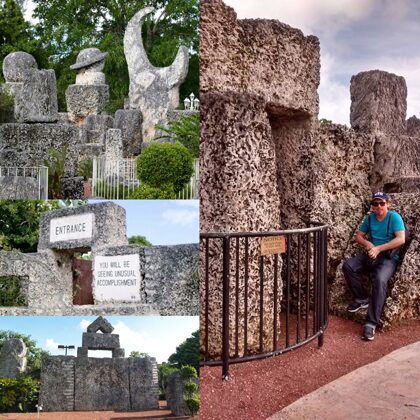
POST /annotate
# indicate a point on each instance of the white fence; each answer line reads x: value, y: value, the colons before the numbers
x: 33, y: 185
x: 117, y: 179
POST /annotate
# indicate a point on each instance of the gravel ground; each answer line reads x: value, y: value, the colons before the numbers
x: 256, y: 390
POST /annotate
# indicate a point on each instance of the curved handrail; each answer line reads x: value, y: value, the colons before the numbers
x: 314, y: 256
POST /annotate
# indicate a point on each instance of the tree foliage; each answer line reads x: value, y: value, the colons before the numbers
x: 19, y: 223
x: 187, y: 353
x: 139, y: 240
x: 138, y: 354
x: 20, y: 394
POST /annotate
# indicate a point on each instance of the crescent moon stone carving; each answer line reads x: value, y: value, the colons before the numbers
x: 153, y: 90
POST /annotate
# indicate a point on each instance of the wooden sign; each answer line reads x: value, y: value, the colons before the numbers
x: 272, y: 245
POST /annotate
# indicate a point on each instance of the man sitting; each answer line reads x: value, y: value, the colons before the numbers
x: 386, y: 232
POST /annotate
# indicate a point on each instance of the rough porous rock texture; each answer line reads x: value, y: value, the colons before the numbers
x: 378, y: 102
x: 239, y: 193
x: 15, y: 64
x: 340, y: 164
x: 171, y: 278
x: 153, y: 90
x: 113, y: 145
x: 95, y: 128
x: 413, y: 127
x: 37, y: 100
x: 19, y: 188
x: 248, y: 55
x: 12, y: 358
x: 72, y: 187
x: 84, y: 100
x: 403, y: 301
x: 28, y: 144
x: 129, y: 121
x: 100, y: 324
x: 175, y: 393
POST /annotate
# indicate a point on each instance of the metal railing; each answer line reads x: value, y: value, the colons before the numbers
x: 260, y: 315
x: 117, y: 179
x: 114, y: 179
x: 39, y: 175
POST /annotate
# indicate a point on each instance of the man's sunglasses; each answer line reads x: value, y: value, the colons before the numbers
x: 378, y: 203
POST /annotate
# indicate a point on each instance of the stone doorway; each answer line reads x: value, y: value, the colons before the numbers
x: 82, y: 281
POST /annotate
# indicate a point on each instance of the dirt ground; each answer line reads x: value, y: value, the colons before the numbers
x: 162, y: 413
x: 256, y: 390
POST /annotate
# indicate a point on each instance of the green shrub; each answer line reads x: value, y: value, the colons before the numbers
x: 7, y: 103
x: 146, y: 192
x: 19, y: 394
x: 165, y: 163
x: 85, y: 168
x: 193, y: 404
x: 186, y: 130
x: 55, y: 165
x: 11, y: 292
x: 190, y: 387
x: 188, y: 372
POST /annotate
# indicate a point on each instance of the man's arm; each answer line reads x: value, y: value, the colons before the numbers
x: 395, y: 243
x: 360, y: 239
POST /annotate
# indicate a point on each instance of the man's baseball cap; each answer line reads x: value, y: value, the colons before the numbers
x: 380, y: 195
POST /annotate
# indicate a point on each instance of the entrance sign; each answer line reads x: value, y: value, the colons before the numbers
x: 272, y: 245
x: 71, y: 227
x: 117, y: 278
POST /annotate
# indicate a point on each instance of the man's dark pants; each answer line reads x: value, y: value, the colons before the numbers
x: 382, y: 268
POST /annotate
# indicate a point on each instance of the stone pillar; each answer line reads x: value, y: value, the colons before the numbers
x: 129, y: 121
x: 90, y: 94
x: 12, y: 358
x: 379, y: 106
x: 113, y: 145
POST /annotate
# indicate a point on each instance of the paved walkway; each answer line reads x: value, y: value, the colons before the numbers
x: 386, y: 389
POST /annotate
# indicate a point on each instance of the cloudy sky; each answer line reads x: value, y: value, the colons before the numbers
x: 158, y: 336
x: 162, y: 222
x: 355, y: 36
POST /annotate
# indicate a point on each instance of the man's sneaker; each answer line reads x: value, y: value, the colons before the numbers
x: 368, y: 332
x: 355, y: 306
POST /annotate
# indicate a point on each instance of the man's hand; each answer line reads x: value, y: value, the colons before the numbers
x: 373, y: 252
x: 368, y: 245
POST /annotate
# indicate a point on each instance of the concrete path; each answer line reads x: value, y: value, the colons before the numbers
x: 386, y: 389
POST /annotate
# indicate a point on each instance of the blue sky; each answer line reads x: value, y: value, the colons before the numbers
x: 355, y: 36
x: 163, y: 222
x: 156, y: 335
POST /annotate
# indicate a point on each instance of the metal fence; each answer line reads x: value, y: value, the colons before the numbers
x: 35, y: 181
x: 299, y: 302
x: 117, y: 179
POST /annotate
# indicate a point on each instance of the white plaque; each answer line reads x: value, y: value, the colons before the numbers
x: 71, y: 227
x: 117, y: 278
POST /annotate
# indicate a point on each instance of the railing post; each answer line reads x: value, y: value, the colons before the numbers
x: 225, y: 326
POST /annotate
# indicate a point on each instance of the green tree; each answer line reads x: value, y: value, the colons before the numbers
x: 188, y: 352
x: 164, y: 371
x: 139, y: 240
x: 18, y: 35
x: 75, y: 24
x: 185, y: 130
x: 136, y: 353
x: 34, y: 353
x: 19, y: 223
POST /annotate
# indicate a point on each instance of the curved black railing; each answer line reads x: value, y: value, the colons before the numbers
x: 238, y: 262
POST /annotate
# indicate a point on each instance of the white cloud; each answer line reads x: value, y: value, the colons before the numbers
x: 180, y: 217
x: 51, y: 344
x: 84, y: 323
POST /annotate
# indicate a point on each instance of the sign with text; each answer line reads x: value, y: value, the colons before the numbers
x: 71, y: 227
x: 272, y: 245
x: 117, y: 278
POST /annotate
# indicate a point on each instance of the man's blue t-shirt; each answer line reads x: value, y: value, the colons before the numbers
x: 380, y: 233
